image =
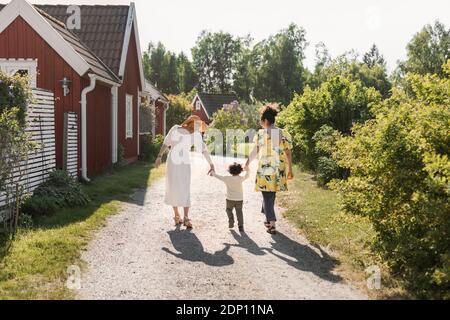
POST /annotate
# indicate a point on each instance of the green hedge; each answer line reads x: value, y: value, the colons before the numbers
x: 400, y: 179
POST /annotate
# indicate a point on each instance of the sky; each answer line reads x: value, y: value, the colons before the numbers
x: 341, y: 24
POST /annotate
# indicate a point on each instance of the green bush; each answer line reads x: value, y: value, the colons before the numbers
x: 40, y: 205
x: 150, y: 147
x: 59, y: 191
x: 327, y: 169
x: 400, y: 178
x: 337, y: 103
x: 14, y: 93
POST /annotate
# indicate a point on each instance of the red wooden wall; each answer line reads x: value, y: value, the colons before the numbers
x: 19, y: 40
x: 98, y: 128
x: 159, y: 118
x: 131, y: 85
x: 201, y: 113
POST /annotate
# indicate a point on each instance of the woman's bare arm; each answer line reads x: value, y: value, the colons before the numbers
x: 163, y: 149
x: 289, y: 160
x: 252, y: 155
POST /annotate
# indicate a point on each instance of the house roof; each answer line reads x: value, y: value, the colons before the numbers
x: 154, y: 92
x: 94, y: 63
x: 213, y: 101
x: 102, y: 29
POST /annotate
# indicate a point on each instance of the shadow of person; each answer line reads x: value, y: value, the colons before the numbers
x: 304, y: 257
x: 244, y: 241
x: 189, y: 248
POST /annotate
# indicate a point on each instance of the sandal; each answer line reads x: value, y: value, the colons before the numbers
x: 178, y: 221
x: 272, y: 230
x: 267, y: 224
x: 187, y: 223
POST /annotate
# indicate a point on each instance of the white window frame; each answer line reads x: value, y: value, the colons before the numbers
x: 129, y: 116
x: 11, y: 66
x: 198, y: 105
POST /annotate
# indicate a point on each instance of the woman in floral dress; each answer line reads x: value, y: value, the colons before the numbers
x: 273, y: 148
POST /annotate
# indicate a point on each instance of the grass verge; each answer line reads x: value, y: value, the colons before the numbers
x: 315, y: 211
x: 34, y: 264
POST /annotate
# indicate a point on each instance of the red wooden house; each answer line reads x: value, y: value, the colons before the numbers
x: 89, y: 56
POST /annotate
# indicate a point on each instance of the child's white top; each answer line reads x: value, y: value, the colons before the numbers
x: 234, y: 185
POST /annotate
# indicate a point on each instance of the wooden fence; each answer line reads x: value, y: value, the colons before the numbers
x: 40, y: 162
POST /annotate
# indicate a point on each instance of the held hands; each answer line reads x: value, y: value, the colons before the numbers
x: 211, y: 170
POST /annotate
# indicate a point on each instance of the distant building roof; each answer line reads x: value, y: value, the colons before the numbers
x: 215, y: 101
x: 154, y: 92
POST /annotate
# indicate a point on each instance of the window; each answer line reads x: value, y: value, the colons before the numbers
x: 129, y: 116
x: 23, y: 67
x: 198, y: 105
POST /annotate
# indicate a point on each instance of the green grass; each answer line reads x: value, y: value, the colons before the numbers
x: 315, y: 211
x: 34, y: 264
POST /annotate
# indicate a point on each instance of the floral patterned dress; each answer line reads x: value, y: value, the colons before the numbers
x: 272, y: 145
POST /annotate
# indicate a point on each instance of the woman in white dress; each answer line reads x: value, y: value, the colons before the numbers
x: 179, y: 141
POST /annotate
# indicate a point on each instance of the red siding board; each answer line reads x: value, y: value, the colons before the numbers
x: 18, y: 41
x: 131, y: 85
x: 201, y: 113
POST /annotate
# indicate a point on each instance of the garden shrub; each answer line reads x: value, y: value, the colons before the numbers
x: 59, y: 191
x: 150, y: 147
x: 338, y: 103
x: 400, y: 178
x: 327, y: 169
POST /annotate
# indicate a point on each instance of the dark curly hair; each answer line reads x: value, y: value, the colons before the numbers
x: 235, y: 169
x: 269, y: 113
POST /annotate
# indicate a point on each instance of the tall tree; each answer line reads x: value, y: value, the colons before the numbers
x: 214, y: 56
x: 280, y: 72
x: 373, y: 57
x: 155, y: 60
x: 428, y: 50
x: 244, y: 77
x: 187, y: 78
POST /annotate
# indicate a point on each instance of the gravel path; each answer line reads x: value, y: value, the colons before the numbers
x: 139, y: 254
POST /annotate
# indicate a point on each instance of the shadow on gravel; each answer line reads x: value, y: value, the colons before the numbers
x: 244, y: 241
x: 304, y: 257
x: 190, y: 248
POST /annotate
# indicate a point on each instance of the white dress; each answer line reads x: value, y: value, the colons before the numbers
x: 178, y: 166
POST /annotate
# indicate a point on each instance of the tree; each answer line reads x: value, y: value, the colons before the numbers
x: 187, y: 78
x: 337, y: 103
x: 373, y: 57
x: 214, y: 57
x: 348, y: 65
x: 153, y: 62
x: 400, y: 175
x: 180, y: 109
x: 244, y: 78
x: 172, y: 74
x: 279, y: 60
x: 427, y: 51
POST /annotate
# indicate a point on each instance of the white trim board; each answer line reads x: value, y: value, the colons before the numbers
x: 203, y: 106
x: 25, y: 10
x: 132, y: 22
